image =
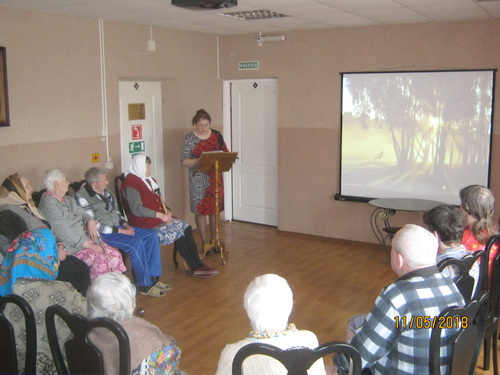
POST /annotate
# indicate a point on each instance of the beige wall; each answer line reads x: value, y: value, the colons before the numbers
x: 55, y: 91
x: 55, y: 98
x: 307, y: 66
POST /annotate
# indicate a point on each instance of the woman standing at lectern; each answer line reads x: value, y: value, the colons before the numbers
x: 202, y: 185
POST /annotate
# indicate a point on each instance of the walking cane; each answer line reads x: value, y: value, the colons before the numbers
x: 101, y: 244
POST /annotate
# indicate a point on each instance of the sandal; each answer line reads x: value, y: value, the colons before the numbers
x: 162, y: 286
x: 153, y: 291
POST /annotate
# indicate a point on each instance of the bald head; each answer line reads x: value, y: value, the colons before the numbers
x: 415, y: 246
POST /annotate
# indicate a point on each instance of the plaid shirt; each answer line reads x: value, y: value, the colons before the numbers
x: 106, y: 204
x: 387, y: 343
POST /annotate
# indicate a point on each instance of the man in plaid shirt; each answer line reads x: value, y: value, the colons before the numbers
x: 394, y: 337
x: 141, y: 244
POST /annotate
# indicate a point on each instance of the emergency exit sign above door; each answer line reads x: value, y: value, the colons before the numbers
x: 248, y: 65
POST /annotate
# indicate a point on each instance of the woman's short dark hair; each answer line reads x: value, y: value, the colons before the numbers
x: 447, y: 221
x: 201, y: 114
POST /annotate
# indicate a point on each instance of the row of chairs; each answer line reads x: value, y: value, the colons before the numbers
x: 472, y: 292
x: 81, y: 356
x: 481, y: 314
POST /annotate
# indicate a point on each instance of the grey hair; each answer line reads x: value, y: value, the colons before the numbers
x: 111, y: 295
x: 51, y: 176
x: 93, y: 173
x: 417, y: 246
x: 268, y: 302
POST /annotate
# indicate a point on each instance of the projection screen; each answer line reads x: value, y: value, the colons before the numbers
x: 411, y: 134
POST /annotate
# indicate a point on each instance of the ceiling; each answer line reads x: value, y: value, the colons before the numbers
x: 303, y: 14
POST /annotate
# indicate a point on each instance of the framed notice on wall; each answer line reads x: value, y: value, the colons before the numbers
x: 4, y: 99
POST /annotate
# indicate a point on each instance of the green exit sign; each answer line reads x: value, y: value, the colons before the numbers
x: 248, y: 65
x: 134, y: 147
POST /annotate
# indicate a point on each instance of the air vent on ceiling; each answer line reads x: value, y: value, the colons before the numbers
x: 250, y: 15
x: 204, y: 4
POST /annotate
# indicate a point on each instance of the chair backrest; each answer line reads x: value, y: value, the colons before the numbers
x: 464, y: 281
x: 297, y: 360
x: 74, y: 187
x: 40, y: 294
x: 468, y: 323
x: 494, y: 286
x: 118, y: 194
x: 9, y: 363
x: 82, y: 356
x: 495, y: 276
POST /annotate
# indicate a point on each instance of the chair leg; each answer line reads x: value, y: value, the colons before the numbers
x: 495, y: 352
x: 486, y: 353
x: 176, y: 262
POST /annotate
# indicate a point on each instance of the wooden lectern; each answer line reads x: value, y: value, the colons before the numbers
x: 216, y: 161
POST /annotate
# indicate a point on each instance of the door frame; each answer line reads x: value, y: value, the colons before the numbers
x: 157, y: 147
x: 227, y: 133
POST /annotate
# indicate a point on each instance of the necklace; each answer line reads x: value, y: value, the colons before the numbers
x: 267, y: 335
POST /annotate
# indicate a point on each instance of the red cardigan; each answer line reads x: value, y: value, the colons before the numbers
x: 149, y: 199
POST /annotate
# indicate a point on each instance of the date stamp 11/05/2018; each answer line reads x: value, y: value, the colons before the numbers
x: 431, y: 322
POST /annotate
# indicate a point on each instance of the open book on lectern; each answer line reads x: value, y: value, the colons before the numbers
x: 208, y: 159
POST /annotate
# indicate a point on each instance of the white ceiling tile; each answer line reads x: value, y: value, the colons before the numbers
x: 304, y: 14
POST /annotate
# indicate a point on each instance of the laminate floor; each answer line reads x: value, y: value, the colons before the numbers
x: 331, y: 280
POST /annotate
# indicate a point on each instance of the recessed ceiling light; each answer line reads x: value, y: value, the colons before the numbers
x: 251, y: 15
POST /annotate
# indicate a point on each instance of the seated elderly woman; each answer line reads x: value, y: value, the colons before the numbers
x: 447, y: 223
x: 75, y: 228
x: 112, y: 295
x: 18, y: 214
x: 145, y: 208
x: 268, y: 302
x: 32, y: 255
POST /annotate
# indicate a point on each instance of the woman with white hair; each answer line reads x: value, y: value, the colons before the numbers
x: 145, y: 208
x: 75, y: 228
x: 268, y: 302
x: 112, y: 295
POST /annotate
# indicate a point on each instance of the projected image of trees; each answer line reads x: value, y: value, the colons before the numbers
x: 419, y: 134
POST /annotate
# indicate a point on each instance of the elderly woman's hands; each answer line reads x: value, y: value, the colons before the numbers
x: 61, y: 252
x: 93, y: 246
x: 92, y: 230
x: 166, y: 218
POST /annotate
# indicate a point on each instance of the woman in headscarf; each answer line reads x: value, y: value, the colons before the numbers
x: 145, y: 208
x: 76, y: 228
x: 33, y: 255
x: 18, y: 213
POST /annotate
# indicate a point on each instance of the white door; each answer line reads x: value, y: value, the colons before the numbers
x: 141, y: 129
x: 254, y: 136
